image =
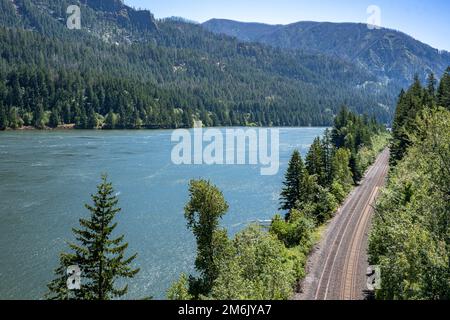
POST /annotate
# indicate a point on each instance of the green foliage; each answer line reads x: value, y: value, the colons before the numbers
x: 3, y: 118
x: 100, y: 256
x: 293, y: 193
x: 410, y: 239
x: 315, y: 161
x: 258, y: 267
x: 391, y: 49
x: 354, y: 132
x: 144, y: 70
x: 443, y: 94
x: 341, y: 171
x: 367, y: 156
x: 265, y: 265
x: 180, y: 289
x: 295, y: 232
x: 203, y: 212
x: 111, y: 120
x: 54, y: 120
x: 333, y: 164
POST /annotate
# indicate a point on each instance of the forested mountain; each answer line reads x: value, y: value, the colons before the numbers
x: 388, y: 54
x: 124, y: 69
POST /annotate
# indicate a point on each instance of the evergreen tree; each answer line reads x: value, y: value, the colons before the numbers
x: 38, y: 117
x: 444, y: 90
x: 54, y: 119
x: 3, y: 118
x: 188, y: 121
x: 81, y: 119
x: 315, y: 162
x: 356, y: 169
x: 292, y: 193
x: 431, y: 85
x: 327, y: 154
x: 100, y: 255
x: 341, y: 123
x: 92, y: 122
x: 203, y: 212
x: 342, y: 172
x: 410, y: 104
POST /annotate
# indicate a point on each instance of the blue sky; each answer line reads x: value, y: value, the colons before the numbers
x: 425, y: 20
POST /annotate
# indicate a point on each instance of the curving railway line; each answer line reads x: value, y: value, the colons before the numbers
x: 337, y: 267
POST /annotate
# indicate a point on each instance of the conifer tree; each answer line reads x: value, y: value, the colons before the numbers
x: 444, y: 90
x: 410, y: 104
x: 3, y: 118
x: 188, y: 122
x: 355, y: 167
x: 314, y: 162
x: 38, y: 117
x: 92, y: 122
x: 431, y: 85
x: 99, y: 255
x: 291, y: 195
x: 328, y: 150
x: 54, y: 119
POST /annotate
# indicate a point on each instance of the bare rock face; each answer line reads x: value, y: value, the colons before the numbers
x: 124, y: 15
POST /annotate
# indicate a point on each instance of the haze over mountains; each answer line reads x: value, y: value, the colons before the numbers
x: 129, y: 70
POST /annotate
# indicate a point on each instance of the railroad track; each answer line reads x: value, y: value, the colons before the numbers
x: 337, y: 270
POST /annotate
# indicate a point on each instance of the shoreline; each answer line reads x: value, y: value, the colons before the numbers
x: 71, y: 127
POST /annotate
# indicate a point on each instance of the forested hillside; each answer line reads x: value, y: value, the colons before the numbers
x: 390, y: 55
x: 411, y: 234
x: 124, y: 69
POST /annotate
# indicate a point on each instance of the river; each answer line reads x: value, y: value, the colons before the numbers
x: 46, y: 177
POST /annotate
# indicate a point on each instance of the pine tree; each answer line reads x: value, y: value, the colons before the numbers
x: 431, y: 85
x: 188, y: 121
x: 38, y: 117
x: 341, y: 122
x: 99, y: 255
x: 291, y: 195
x: 355, y: 167
x: 3, y: 118
x: 328, y: 150
x: 314, y: 162
x: 410, y: 104
x: 444, y: 90
x: 342, y: 172
x: 92, y: 122
x: 54, y: 119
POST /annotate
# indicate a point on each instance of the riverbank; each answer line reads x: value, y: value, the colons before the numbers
x: 31, y: 128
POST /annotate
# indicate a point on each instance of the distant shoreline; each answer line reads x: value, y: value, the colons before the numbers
x: 70, y: 127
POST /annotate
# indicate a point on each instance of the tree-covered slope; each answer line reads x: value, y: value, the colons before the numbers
x: 388, y: 54
x: 410, y: 240
x: 147, y: 73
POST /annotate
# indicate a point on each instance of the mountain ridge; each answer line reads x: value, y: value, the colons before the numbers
x: 165, y: 72
x: 386, y: 53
